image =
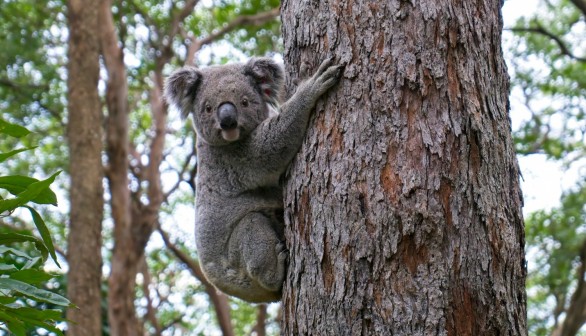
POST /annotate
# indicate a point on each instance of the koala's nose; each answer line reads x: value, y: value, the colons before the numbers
x: 228, y: 117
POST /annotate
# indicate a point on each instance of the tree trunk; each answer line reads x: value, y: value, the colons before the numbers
x: 124, y: 265
x: 86, y: 191
x: 403, y: 208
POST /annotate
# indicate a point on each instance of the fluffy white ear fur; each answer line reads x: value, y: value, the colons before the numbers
x: 273, y: 110
x: 181, y: 87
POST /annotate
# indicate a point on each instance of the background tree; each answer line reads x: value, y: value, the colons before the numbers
x: 84, y: 135
x: 160, y: 292
x: 549, y: 65
x: 403, y: 208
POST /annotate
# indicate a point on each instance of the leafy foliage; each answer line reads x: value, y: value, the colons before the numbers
x: 550, y: 73
x: 22, y: 255
x: 552, y: 81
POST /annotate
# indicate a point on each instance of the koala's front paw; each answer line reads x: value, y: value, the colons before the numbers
x: 326, y: 76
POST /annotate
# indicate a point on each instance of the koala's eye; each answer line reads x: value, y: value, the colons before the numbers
x: 208, y: 108
x: 244, y: 102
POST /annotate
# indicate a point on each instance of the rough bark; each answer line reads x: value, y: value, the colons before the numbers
x: 403, y: 208
x: 84, y: 135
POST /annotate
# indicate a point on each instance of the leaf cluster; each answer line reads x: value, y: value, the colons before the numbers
x: 22, y: 254
x: 550, y: 70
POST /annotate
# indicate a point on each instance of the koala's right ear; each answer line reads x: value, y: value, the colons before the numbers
x: 269, y: 77
x: 181, y: 88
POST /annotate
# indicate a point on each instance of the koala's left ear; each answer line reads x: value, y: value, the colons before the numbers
x: 181, y: 88
x: 268, y: 76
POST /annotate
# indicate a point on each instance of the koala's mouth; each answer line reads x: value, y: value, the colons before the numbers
x: 231, y: 134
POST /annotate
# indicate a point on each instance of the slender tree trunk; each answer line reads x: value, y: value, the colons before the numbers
x: 121, y: 283
x: 86, y: 170
x: 403, y: 207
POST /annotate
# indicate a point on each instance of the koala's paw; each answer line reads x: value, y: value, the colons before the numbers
x: 327, y: 75
x: 282, y: 252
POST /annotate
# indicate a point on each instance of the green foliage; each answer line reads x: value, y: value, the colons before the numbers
x: 23, y: 255
x: 552, y: 80
x: 550, y: 73
x: 554, y: 239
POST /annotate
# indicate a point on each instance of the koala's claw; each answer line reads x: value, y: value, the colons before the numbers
x: 282, y: 251
x: 324, y: 66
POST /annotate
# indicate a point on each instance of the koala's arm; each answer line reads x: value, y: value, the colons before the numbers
x: 278, y: 138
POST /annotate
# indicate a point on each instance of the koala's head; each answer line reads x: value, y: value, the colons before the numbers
x: 227, y: 102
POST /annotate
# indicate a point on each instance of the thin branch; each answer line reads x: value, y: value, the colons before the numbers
x: 575, y: 314
x: 182, y: 15
x: 171, y: 323
x: 151, y: 314
x: 176, y: 20
x: 261, y: 319
x: 581, y: 4
x: 180, y: 175
x: 219, y: 300
x: 15, y: 85
x: 251, y: 20
x: 561, y: 44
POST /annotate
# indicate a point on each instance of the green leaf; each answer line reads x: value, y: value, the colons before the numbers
x: 13, y: 251
x: 44, y: 231
x: 16, y: 184
x: 36, y: 318
x: 6, y: 268
x: 33, y: 292
x: 47, y: 314
x: 12, y: 130
x: 31, y: 276
x: 4, y: 156
x: 33, y: 262
x: 16, y: 326
x: 6, y: 300
x: 31, y: 192
x: 12, y: 237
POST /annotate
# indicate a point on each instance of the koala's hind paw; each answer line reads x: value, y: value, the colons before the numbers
x: 282, y: 252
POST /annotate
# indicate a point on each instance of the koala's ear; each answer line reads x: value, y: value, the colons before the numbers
x: 181, y: 88
x: 268, y: 76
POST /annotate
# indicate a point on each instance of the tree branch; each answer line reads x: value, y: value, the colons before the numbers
x: 176, y: 20
x: 261, y: 318
x: 581, y: 4
x: 151, y: 314
x: 576, y: 314
x: 561, y: 44
x: 219, y: 300
x: 180, y: 175
x: 15, y: 85
x: 251, y: 20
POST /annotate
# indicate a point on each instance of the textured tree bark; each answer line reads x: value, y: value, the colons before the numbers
x: 84, y: 135
x: 403, y: 208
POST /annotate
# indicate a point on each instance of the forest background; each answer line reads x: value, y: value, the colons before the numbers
x: 546, y: 53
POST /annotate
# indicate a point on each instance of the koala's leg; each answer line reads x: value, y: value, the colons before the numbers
x: 265, y: 256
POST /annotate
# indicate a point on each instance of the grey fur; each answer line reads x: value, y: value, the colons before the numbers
x: 239, y: 202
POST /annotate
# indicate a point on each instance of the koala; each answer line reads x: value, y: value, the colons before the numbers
x: 245, y: 142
